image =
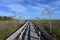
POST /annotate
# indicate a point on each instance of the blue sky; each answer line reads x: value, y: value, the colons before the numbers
x: 30, y: 9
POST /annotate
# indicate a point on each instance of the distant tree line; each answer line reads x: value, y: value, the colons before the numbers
x: 6, y: 18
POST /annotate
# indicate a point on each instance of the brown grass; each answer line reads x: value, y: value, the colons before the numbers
x: 8, y: 27
x: 43, y: 24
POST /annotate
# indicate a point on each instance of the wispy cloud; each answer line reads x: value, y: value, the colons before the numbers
x: 17, y: 8
x: 31, y: 6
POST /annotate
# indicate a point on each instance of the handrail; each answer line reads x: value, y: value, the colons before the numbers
x: 14, y: 35
x: 20, y: 37
x: 45, y: 34
x: 20, y: 32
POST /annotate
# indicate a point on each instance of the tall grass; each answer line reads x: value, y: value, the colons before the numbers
x: 55, y: 29
x: 8, y: 27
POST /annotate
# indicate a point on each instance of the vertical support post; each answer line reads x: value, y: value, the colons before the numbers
x: 39, y: 35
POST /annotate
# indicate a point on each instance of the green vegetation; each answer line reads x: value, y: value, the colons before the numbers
x: 7, y: 27
x: 5, y: 18
x: 55, y: 30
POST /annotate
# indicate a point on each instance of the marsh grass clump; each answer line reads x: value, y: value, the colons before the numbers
x: 44, y: 25
x: 8, y: 27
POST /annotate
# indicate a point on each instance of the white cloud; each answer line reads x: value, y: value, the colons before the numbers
x: 14, y: 5
x: 40, y: 8
x: 17, y: 8
x: 7, y: 2
x: 37, y: 9
x: 56, y: 6
x: 57, y: 3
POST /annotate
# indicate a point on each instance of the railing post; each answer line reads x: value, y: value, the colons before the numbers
x: 39, y: 35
